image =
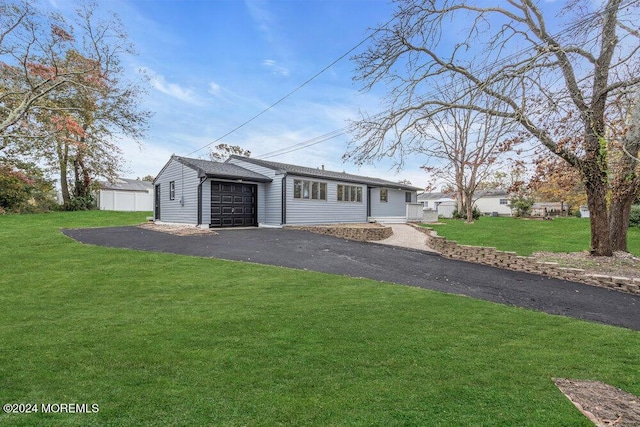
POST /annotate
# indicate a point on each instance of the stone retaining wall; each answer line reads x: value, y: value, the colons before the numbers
x: 352, y: 233
x: 512, y: 261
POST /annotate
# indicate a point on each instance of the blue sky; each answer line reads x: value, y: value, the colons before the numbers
x: 215, y: 64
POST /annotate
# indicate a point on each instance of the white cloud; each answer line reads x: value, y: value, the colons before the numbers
x: 214, y: 89
x: 263, y: 18
x: 172, y: 89
x: 273, y: 66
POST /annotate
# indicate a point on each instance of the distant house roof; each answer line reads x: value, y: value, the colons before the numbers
x: 433, y: 196
x: 125, y: 184
x: 478, y: 194
x: 498, y: 192
x: 221, y: 170
x: 326, y: 174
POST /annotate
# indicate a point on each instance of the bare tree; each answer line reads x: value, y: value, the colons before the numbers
x: 510, y: 53
x: 221, y: 152
x: 470, y: 143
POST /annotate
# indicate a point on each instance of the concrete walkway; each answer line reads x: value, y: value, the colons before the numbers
x: 406, y: 236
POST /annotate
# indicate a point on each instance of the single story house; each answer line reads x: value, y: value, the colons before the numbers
x: 493, y: 202
x: 243, y: 191
x: 125, y: 195
x: 489, y: 202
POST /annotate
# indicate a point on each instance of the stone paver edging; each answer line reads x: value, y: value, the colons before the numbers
x: 513, y: 261
x: 351, y: 232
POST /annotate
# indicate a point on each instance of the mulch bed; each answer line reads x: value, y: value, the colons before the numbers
x: 602, y: 403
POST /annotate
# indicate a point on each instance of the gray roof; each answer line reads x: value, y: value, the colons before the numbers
x: 326, y: 174
x: 221, y: 170
x: 434, y: 196
x: 481, y: 193
x: 125, y: 184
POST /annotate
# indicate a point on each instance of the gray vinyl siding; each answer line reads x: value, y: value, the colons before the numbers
x: 303, y: 211
x: 186, y: 185
x: 206, y: 202
x: 269, y: 194
x: 395, y: 206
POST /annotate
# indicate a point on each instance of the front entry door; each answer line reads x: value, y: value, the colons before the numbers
x: 157, y: 202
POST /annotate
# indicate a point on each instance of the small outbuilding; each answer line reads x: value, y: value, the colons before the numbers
x: 124, y: 194
x: 244, y: 191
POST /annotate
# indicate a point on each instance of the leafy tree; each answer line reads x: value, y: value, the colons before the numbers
x: 555, y: 181
x: 75, y: 126
x: 522, y: 205
x: 24, y: 189
x: 537, y: 76
x: 14, y: 189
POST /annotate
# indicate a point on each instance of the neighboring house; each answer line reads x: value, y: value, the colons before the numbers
x: 248, y: 192
x: 493, y: 202
x: 442, y: 203
x: 125, y: 195
x: 489, y: 202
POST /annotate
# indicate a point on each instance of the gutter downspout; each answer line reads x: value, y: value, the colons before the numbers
x: 202, y: 180
x: 283, y: 220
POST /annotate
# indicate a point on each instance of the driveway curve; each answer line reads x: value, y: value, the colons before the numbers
x: 308, y: 251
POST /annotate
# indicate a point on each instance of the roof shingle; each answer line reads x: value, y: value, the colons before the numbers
x: 327, y: 174
x: 222, y: 170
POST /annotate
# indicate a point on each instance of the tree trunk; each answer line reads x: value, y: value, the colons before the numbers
x: 619, y: 222
x: 468, y: 201
x: 63, y: 159
x: 598, y: 216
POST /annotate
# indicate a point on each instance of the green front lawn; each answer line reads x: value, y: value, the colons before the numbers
x: 160, y: 339
x: 526, y: 236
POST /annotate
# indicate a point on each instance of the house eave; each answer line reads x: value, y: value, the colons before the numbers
x: 235, y: 178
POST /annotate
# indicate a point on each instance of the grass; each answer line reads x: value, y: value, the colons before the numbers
x: 527, y: 236
x: 160, y: 339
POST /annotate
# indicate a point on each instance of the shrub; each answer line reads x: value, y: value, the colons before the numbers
x: 475, y: 213
x: 80, y: 204
x: 522, y: 206
x: 634, y: 217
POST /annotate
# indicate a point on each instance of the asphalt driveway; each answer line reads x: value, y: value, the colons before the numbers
x: 308, y: 251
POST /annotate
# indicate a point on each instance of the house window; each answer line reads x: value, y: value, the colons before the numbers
x: 172, y: 190
x: 309, y: 190
x: 349, y: 193
x: 384, y: 195
x: 504, y: 201
x: 407, y: 196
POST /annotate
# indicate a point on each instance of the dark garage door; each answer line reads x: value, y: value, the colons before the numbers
x: 233, y: 204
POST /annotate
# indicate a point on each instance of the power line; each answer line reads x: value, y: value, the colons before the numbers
x: 503, y: 61
x: 342, y: 131
x: 293, y: 91
x: 305, y: 144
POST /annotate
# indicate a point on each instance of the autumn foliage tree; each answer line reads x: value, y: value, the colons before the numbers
x: 555, y: 181
x: 64, y: 98
x: 537, y: 68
